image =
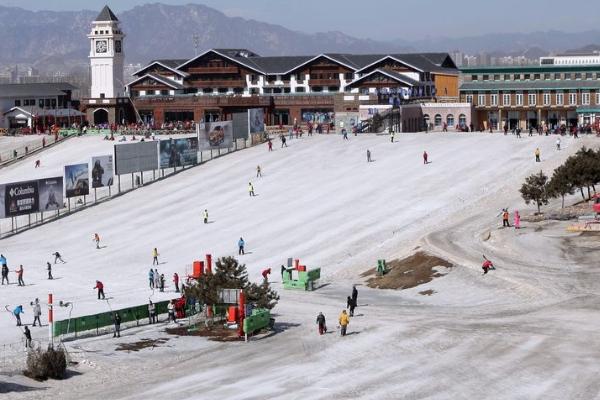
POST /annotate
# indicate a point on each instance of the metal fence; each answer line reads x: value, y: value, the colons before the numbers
x: 123, y: 184
x: 12, y: 152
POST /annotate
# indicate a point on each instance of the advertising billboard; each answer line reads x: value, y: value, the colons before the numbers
x: 178, y: 152
x: 215, y: 135
x: 20, y: 198
x: 369, y: 111
x: 50, y: 194
x: 136, y: 157
x: 102, y: 171
x: 77, y: 180
x: 346, y: 120
x: 256, y: 120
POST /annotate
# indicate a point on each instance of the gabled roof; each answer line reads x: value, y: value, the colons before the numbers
x: 171, y: 65
x: 311, y: 59
x: 391, y: 57
x: 390, y: 74
x: 278, y: 65
x: 160, y: 79
x: 106, y: 15
x: 35, y: 89
x: 239, y: 60
x: 42, y: 112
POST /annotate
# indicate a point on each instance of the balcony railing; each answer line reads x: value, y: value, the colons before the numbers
x: 213, y: 70
x: 226, y: 83
x: 324, y: 82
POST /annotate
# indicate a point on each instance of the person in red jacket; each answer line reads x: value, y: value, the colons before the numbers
x: 176, y: 282
x: 425, y: 156
x: 486, y: 266
x: 270, y: 145
x: 100, y: 288
x: 20, y: 276
x: 265, y: 274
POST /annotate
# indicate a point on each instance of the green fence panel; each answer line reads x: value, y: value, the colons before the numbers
x: 259, y: 319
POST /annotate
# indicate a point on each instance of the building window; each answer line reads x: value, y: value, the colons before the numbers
x: 507, y: 77
x: 532, y: 99
x: 462, y: 120
x: 496, y: 77
x: 17, y: 103
x: 469, y: 98
x: 473, y: 77
x: 546, y: 76
x: 585, y: 99
x: 598, y: 98
x: 506, y: 99
x: 450, y: 120
x: 494, y: 99
x: 573, y: 99
x: 481, y: 100
x: 546, y: 99
x: 437, y: 120
x: 486, y: 77
x: 578, y: 75
x: 560, y: 99
x: 527, y: 77
x: 348, y: 76
x: 300, y: 89
x: 519, y: 99
x: 164, y: 92
x: 536, y: 76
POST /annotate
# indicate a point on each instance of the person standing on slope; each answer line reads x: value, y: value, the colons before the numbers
x: 97, y: 240
x: 49, y: 268
x: 100, y: 287
x: 270, y: 144
x: 344, y: 320
x: 205, y: 216
x: 537, y: 155
x: 27, y: 334
x: 5, y: 274
x: 151, y: 278
x: 321, y: 323
x: 505, y: 217
x: 425, y: 157
x: 20, y: 276
x: 241, y: 245
x: 391, y: 135
x: 517, y: 220
x: 176, y: 282
x: 117, y: 320
x: 251, y: 189
x: 155, y: 256
x: 156, y: 279
x: 558, y: 144
x: 37, y: 312
x: 368, y: 155
x: 258, y: 172
x: 162, y: 282
x: 350, y: 304
x: 354, y: 295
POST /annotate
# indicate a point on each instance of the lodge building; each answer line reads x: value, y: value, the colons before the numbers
x: 551, y: 94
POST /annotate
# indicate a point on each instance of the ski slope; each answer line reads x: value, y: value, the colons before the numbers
x: 320, y: 201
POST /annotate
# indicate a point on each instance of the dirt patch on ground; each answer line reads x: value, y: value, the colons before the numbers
x: 215, y: 333
x: 142, y: 344
x: 408, y: 273
x: 427, y: 292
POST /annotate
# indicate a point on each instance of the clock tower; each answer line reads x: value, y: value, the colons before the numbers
x: 106, y: 56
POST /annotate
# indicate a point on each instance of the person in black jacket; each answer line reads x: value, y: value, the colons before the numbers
x: 350, y: 304
x: 321, y: 323
x: 355, y: 296
x: 27, y: 334
x: 117, y: 325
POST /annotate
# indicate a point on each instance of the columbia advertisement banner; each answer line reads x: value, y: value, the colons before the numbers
x: 50, y: 192
x: 77, y: 181
x: 256, y: 120
x: 178, y: 152
x: 102, y: 171
x: 215, y: 135
x: 20, y: 198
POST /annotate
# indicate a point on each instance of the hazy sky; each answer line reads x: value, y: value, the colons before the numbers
x: 381, y: 19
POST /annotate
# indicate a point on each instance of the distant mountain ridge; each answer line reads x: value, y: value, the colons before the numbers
x: 49, y: 38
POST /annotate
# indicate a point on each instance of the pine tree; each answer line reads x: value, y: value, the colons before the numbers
x: 535, y: 189
x: 263, y: 296
x: 560, y: 185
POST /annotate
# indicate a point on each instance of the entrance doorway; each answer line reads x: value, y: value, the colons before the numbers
x: 100, y: 117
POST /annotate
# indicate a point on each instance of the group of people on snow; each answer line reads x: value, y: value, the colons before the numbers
x: 344, y: 318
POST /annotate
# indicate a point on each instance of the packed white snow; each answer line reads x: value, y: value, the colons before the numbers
x: 523, y: 331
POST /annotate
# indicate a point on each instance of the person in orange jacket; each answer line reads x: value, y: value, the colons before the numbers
x: 344, y: 320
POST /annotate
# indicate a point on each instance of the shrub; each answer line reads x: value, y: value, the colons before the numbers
x: 45, y: 364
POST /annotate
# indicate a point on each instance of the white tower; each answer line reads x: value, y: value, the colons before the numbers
x: 106, y: 56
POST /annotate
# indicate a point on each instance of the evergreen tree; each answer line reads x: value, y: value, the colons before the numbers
x: 263, y: 296
x: 560, y: 185
x: 535, y: 189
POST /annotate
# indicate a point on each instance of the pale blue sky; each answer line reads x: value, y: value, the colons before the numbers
x: 380, y: 19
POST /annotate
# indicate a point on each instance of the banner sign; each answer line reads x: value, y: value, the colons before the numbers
x: 21, y: 198
x: 77, y: 181
x: 50, y: 194
x: 215, y: 135
x: 102, y: 171
x: 178, y: 152
x: 136, y: 157
x: 256, y: 120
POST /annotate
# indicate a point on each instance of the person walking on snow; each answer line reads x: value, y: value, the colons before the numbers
x: 151, y: 278
x: 37, y: 312
x: 49, y: 268
x: 5, y: 274
x: 558, y: 144
x: 251, y: 189
x: 321, y: 323
x: 100, y: 287
x: 156, y: 279
x: 176, y: 282
x: 392, y: 135
x: 152, y: 312
x: 354, y: 295
x: 345, y: 134
x: 505, y: 217
x: 517, y: 220
x: 270, y: 144
x: 97, y: 240
x: 57, y: 257
x: 241, y: 245
x: 350, y: 304
x: 344, y: 320
x: 537, y: 154
x: 20, y: 276
x: 258, y: 172
x: 205, y: 216
x: 368, y: 155
x: 425, y: 157
x: 117, y: 319
x: 283, y: 143
x: 155, y: 257
x: 27, y: 334
x: 162, y: 282
x: 265, y: 275
x: 17, y: 313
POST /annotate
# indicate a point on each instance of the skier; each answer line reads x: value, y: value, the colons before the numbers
x: 49, y: 268
x: 537, y: 154
x: 351, y: 304
x: 97, y: 240
x: 117, y: 319
x: 205, y: 216
x: 151, y: 278
x: 558, y: 144
x: 152, y: 312
x: 283, y: 143
x: 354, y: 295
x: 487, y: 265
x: 100, y: 287
x: 345, y: 133
x: 517, y: 220
x: 505, y: 216
x: 425, y: 156
x: 368, y: 155
x: 156, y: 279
x: 344, y: 320
x: 38, y: 163
x: 27, y: 334
x: 392, y: 135
x: 37, y: 312
x: 5, y: 274
x: 176, y: 282
x: 17, y: 313
x: 265, y: 275
x: 258, y: 171
x: 57, y: 257
x: 171, y: 310
x: 241, y: 245
x: 270, y: 144
x: 251, y: 189
x: 162, y: 282
x: 321, y: 323
x: 20, y: 275
x: 155, y: 256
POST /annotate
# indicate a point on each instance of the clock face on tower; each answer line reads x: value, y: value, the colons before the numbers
x: 101, y: 46
x: 117, y: 46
